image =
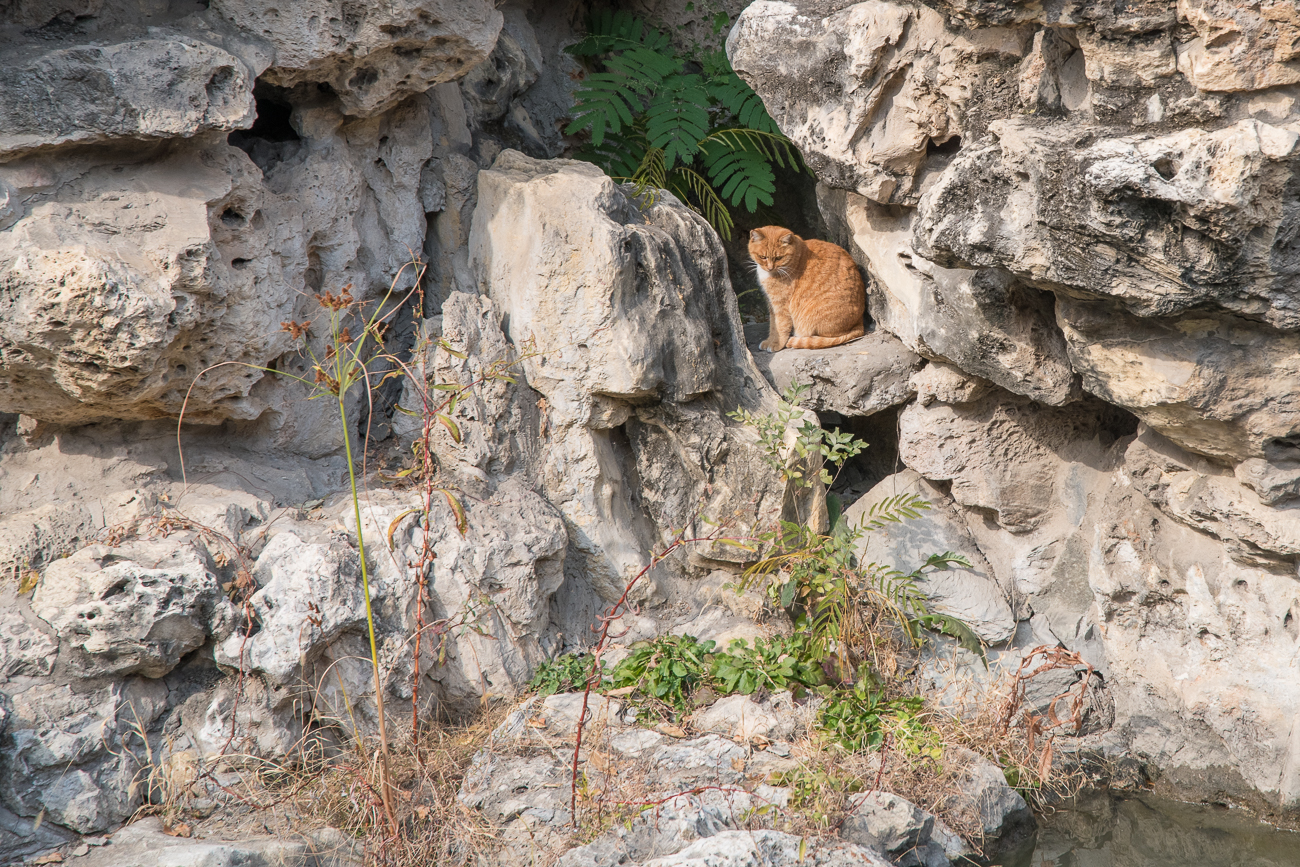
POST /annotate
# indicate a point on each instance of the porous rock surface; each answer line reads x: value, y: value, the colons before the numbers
x: 1085, y: 218
x: 1079, y: 225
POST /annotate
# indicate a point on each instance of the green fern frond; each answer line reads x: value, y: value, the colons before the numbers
x: 619, y: 154
x: 772, y: 145
x: 651, y: 174
x: 615, y: 31
x: 740, y: 175
x: 605, y: 102
x: 893, y: 510
x: 745, y: 105
x: 687, y: 185
x: 676, y: 118
x: 645, y: 69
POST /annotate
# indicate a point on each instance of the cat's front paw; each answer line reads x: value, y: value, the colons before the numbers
x: 770, y: 345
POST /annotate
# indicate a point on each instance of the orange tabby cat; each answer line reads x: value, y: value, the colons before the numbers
x: 813, y: 287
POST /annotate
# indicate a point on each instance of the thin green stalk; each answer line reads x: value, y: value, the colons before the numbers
x: 370, y: 617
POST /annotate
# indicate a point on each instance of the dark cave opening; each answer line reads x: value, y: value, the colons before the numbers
x: 878, y: 461
x: 272, y: 138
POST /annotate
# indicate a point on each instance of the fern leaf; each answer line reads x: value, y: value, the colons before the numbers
x: 692, y: 187
x: 620, y: 154
x: 676, y: 118
x: 745, y: 105
x: 650, y: 174
x: 615, y: 31
x: 774, y: 146
x: 740, y: 176
x: 645, y: 69
x: 605, y: 102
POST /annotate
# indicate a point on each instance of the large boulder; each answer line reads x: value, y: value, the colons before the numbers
x: 1006, y: 455
x: 866, y: 91
x: 1216, y: 385
x: 156, y: 87
x: 137, y: 609
x: 628, y: 329
x: 120, y: 287
x: 858, y: 378
x: 971, y: 595
x: 372, y: 56
x: 1195, y: 219
x: 72, y: 755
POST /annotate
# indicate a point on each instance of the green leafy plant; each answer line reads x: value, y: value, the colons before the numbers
x: 858, y: 718
x: 661, y: 122
x: 829, y: 448
x: 667, y: 670
x: 563, y: 674
x: 782, y: 662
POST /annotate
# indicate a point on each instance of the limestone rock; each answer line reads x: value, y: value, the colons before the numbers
x: 763, y: 848
x: 865, y: 90
x: 1215, y: 385
x: 972, y: 445
x: 266, y: 722
x: 1241, y: 46
x: 1199, y: 649
x: 984, y: 799
x: 310, y: 594
x: 910, y: 836
x: 498, y: 428
x: 983, y: 320
x: 634, y: 342
x: 1272, y: 481
x: 1208, y: 498
x: 146, y: 843
x: 853, y: 379
x: 371, y: 56
x: 62, y: 755
x: 152, y: 88
x: 948, y: 384
x: 972, y: 595
x: 742, y: 718
x: 33, y: 537
x: 513, y: 552
x: 28, y: 646
x: 1165, y: 220
x: 131, y: 610
x: 120, y: 288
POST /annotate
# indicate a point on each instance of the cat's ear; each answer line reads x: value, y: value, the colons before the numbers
x: 787, y: 239
x: 755, y: 235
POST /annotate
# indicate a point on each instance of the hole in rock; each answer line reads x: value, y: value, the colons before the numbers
x: 947, y: 148
x: 272, y: 138
x: 363, y: 77
x: 232, y: 218
x: 1285, y: 448
x: 238, y: 264
x: 1166, y: 168
x: 878, y: 461
x: 1116, y: 424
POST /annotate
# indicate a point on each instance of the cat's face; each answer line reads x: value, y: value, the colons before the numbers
x: 773, y: 250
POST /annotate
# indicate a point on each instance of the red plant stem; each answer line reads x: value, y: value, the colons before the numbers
x: 422, y: 579
x: 606, y: 620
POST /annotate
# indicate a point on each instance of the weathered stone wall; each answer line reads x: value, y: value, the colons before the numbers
x: 1084, y: 216
x: 177, y: 180
x: 1080, y: 228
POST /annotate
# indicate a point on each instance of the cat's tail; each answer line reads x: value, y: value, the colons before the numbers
x: 824, y: 342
